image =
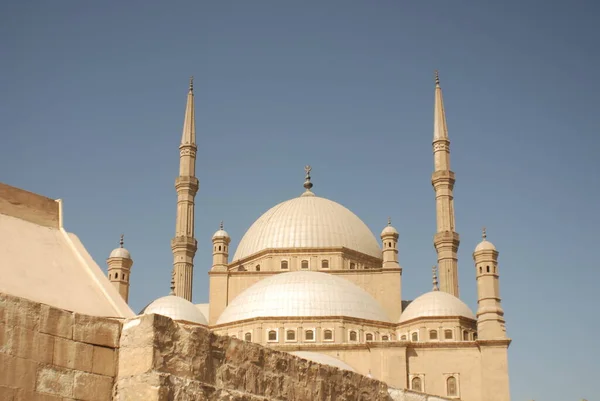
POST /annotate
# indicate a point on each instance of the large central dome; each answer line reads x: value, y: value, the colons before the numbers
x: 308, y: 221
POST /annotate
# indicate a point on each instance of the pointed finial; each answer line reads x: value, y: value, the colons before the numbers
x: 437, y: 78
x: 435, y: 280
x: 389, y: 221
x: 484, y: 234
x: 172, y: 283
x: 121, y: 240
x: 307, y: 184
x: 191, y: 83
x: 221, y: 225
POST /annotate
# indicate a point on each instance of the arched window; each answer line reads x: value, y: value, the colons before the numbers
x: 272, y: 335
x: 451, y: 388
x: 414, y: 336
x: 328, y: 335
x: 233, y: 336
x: 448, y: 334
x: 369, y: 337
x: 257, y: 268
x: 116, y: 275
x: 433, y: 334
x: 474, y: 336
x: 219, y: 247
x: 495, y: 269
x: 309, y: 335
x: 248, y: 336
x: 290, y: 335
x: 465, y: 335
x: 488, y: 269
x: 284, y: 265
x: 403, y: 338
x: 480, y: 269
x: 352, y: 266
x: 415, y: 384
x: 353, y: 336
x: 304, y: 264
x: 324, y: 264
x: 385, y: 338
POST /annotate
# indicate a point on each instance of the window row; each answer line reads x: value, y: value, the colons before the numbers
x: 123, y: 276
x: 487, y: 269
x: 304, y: 264
x: 220, y: 248
x: 417, y: 383
x: 448, y: 334
x: 291, y: 335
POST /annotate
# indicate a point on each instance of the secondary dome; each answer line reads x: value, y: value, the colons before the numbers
x: 176, y: 308
x: 308, y: 221
x: 120, y: 253
x: 436, y: 303
x: 303, y: 293
x: 323, y: 359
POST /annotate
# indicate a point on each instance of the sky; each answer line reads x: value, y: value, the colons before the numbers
x: 92, y: 98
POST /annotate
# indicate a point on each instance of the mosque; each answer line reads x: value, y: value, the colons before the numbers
x: 308, y: 277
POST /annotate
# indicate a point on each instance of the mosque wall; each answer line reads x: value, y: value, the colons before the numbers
x: 28, y: 206
x: 51, y: 354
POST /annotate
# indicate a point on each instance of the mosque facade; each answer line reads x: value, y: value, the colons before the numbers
x: 310, y: 278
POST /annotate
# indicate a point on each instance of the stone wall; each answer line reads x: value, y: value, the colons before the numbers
x: 50, y: 354
x: 175, y: 361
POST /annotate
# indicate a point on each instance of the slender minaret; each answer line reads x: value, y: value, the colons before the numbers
x: 490, y: 315
x: 119, y: 269
x: 389, y: 240
x: 184, y: 244
x: 446, y: 239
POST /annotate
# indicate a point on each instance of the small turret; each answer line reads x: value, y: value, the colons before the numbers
x: 389, y: 239
x: 119, y: 268
x: 490, y: 315
x: 221, y: 242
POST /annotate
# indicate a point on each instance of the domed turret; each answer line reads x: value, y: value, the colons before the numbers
x: 389, y: 239
x: 175, y: 308
x: 221, y: 242
x: 119, y: 268
x: 484, y: 245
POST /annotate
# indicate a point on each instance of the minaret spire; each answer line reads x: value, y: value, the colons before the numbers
x: 435, y: 280
x: 446, y: 240
x: 184, y: 244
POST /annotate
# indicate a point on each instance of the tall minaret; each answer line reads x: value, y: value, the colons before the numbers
x: 184, y: 244
x: 446, y: 240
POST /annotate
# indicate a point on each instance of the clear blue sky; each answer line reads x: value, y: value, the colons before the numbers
x: 92, y: 96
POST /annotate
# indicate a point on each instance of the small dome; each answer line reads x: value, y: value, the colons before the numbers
x: 389, y: 230
x: 308, y: 221
x: 436, y: 303
x: 220, y: 234
x: 303, y: 293
x: 175, y: 308
x: 120, y: 253
x: 323, y: 359
x: 485, y: 245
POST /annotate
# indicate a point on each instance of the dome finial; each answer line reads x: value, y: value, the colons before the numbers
x: 307, y: 184
x: 121, y: 242
x: 172, y: 283
x: 389, y: 221
x: 221, y: 225
x: 192, y: 83
x: 435, y: 280
x: 484, y: 234
x: 437, y: 78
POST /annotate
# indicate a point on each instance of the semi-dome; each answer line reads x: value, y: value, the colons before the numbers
x: 436, y: 303
x: 176, y: 308
x: 306, y: 294
x: 308, y: 221
x: 323, y: 359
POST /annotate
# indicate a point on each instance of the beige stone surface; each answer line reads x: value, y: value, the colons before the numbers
x: 97, y: 331
x: 91, y: 387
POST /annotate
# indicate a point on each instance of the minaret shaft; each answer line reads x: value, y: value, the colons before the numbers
x: 446, y: 240
x: 184, y: 244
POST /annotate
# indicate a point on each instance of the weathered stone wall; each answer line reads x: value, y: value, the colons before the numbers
x: 175, y: 361
x: 50, y: 354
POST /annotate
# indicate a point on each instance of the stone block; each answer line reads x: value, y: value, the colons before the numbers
x: 25, y: 343
x: 104, y: 361
x: 147, y: 387
x: 97, y: 330
x: 17, y: 372
x: 72, y: 354
x: 34, y: 396
x: 143, y: 361
x: 57, y: 322
x: 7, y: 393
x: 15, y: 311
x: 55, y: 381
x: 91, y: 387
